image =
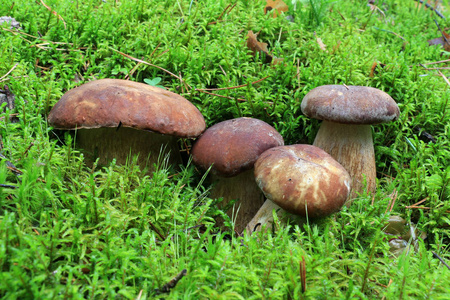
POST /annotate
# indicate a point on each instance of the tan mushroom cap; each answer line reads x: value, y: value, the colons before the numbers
x: 110, y: 102
x: 303, y: 179
x: 232, y: 146
x: 350, y: 105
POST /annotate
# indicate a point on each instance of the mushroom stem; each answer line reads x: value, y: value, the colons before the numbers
x: 264, y: 217
x: 352, y: 147
x: 243, y: 188
x: 123, y: 143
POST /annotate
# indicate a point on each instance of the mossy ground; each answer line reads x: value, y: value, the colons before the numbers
x: 69, y: 230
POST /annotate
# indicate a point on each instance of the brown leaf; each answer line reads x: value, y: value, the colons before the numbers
x: 277, y: 6
x: 258, y: 47
x: 261, y: 48
x: 444, y: 40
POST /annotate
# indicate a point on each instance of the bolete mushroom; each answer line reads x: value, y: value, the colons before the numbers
x: 231, y: 148
x: 114, y: 118
x: 345, y: 133
x: 300, y: 179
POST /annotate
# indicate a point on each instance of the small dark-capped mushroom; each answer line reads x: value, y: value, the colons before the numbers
x: 231, y: 148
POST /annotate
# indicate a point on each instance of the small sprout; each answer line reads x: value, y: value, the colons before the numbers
x: 154, y: 82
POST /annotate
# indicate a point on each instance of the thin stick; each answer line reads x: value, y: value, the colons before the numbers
x: 389, y: 284
x: 391, y: 32
x: 171, y: 284
x: 8, y: 186
x: 438, y: 68
x: 423, y: 207
x: 444, y: 77
x: 420, y: 202
x: 1, y: 78
x: 138, y: 64
x: 28, y: 149
x: 54, y: 13
x: 393, y: 198
x: 154, y: 50
x: 442, y: 261
x: 443, y: 35
x: 223, y: 71
x: 181, y: 82
x: 436, y: 62
x: 233, y: 87
x: 149, y: 64
x: 226, y: 8
x: 139, y: 295
x: 303, y: 274
x: 221, y: 96
x: 432, y: 8
x: 157, y: 231
x: 366, y: 273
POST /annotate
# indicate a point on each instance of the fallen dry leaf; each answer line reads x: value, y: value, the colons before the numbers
x: 258, y: 47
x: 276, y: 6
x: 444, y: 40
x: 321, y: 44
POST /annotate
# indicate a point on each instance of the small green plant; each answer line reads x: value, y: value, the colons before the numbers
x: 154, y: 82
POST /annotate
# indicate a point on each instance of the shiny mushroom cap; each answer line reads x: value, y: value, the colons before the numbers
x: 350, y: 105
x: 110, y: 102
x: 233, y: 146
x: 303, y: 180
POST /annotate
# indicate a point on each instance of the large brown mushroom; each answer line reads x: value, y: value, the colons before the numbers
x: 231, y: 148
x: 347, y: 113
x: 116, y: 118
x: 303, y: 180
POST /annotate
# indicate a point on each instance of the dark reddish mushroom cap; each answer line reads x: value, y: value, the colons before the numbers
x: 232, y: 146
x: 350, y: 105
x: 110, y: 102
x: 303, y: 179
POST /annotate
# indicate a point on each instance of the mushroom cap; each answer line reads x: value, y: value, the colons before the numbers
x: 303, y: 180
x: 350, y: 105
x: 232, y: 146
x: 110, y: 102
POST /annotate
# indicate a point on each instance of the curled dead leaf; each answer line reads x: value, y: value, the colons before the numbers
x: 276, y: 6
x: 444, y: 40
x: 261, y: 48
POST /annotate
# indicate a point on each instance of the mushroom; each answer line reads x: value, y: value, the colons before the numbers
x: 116, y: 118
x: 300, y: 179
x: 347, y: 113
x: 231, y: 148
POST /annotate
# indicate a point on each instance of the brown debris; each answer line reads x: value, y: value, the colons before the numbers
x: 276, y: 6
x: 261, y: 48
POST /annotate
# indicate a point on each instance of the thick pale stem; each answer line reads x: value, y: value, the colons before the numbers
x: 243, y: 188
x: 264, y: 217
x: 352, y: 147
x: 123, y: 143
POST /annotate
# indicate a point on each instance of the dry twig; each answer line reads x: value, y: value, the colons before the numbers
x: 151, y: 65
x: 442, y: 261
x: 54, y: 13
x: 232, y: 87
x: 171, y: 284
x: 9, y: 72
